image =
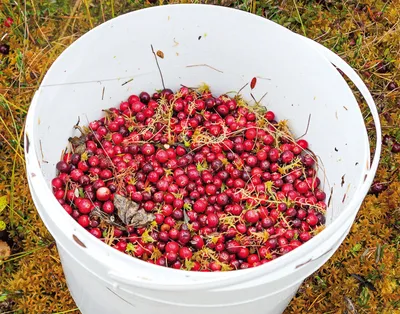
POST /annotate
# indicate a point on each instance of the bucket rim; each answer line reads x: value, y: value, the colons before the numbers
x: 45, y: 192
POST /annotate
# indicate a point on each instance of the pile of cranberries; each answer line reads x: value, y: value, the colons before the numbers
x: 226, y: 185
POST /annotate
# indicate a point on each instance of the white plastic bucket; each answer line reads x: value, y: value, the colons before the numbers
x: 225, y: 48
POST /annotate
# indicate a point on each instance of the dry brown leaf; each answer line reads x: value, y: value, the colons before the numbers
x: 130, y: 213
x: 5, y: 250
x: 349, y: 305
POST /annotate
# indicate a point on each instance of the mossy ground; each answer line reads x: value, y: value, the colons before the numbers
x: 365, y: 33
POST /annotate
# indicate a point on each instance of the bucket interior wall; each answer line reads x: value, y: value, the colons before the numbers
x: 115, y: 60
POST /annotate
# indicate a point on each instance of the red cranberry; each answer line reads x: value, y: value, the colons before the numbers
x: 184, y: 237
x: 251, y: 216
x: 182, y: 180
x: 85, y: 206
x: 396, y: 148
x: 243, y: 253
x: 321, y: 218
x: 269, y: 115
x: 308, y: 160
x: 304, y: 236
x: 172, y: 247
x: 4, y: 49
x: 185, y: 253
x: 200, y: 206
x: 272, y: 243
x: 267, y: 222
x: 8, y: 22
x: 287, y: 157
x: 392, y: 86
x: 57, y: 183
x: 103, y: 194
x: 312, y: 220
x: 96, y: 232
x: 63, y: 167
x: 173, y: 233
x: 252, y: 259
x: 148, y: 149
x: 302, y: 187
x: 162, y: 156
x: 171, y: 257
x: 377, y: 188
x: 232, y: 246
x: 84, y: 221
x: 302, y: 143
x: 67, y: 208
x: 212, y: 220
x: 108, y: 207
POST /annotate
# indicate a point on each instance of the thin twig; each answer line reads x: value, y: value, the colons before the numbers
x: 204, y: 65
x: 266, y: 93
x: 158, y: 66
x: 308, y: 125
x: 243, y: 87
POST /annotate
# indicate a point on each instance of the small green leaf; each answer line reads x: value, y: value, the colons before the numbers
x: 356, y: 248
x: 81, y: 194
x: 3, y: 202
x: 378, y: 253
x: 364, y: 297
x: 187, y: 206
x: 130, y: 248
x: 223, y: 187
x: 2, y: 225
x: 3, y: 297
x: 359, y: 40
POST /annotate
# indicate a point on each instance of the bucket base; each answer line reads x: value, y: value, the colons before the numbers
x: 94, y: 296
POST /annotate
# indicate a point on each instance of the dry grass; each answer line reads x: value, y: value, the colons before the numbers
x: 366, y: 33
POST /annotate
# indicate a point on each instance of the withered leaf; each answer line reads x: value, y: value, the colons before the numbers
x: 130, y: 213
x: 108, y: 219
x: 77, y: 140
x: 160, y: 54
x: 349, y: 305
x: 109, y: 113
x: 79, y: 143
x: 364, y: 282
x: 80, y: 149
x: 5, y: 250
x: 85, y: 130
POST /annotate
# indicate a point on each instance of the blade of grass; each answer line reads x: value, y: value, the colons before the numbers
x: 112, y: 9
x: 102, y: 10
x: 9, y: 144
x: 3, y: 99
x: 301, y: 20
x: 68, y: 311
x: 8, y: 130
x: 13, y: 121
x: 23, y: 254
x: 50, y: 58
x: 13, y: 181
x: 88, y: 14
